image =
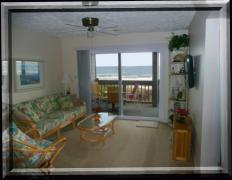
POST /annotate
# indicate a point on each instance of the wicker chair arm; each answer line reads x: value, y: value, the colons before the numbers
x: 34, y: 133
x: 33, y: 148
x: 25, y: 122
x: 59, y: 144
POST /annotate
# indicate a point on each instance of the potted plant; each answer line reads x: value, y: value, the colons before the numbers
x: 182, y: 114
x: 178, y: 41
x: 97, y: 117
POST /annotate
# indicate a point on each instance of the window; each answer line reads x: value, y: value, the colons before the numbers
x: 137, y: 66
x: 107, y: 66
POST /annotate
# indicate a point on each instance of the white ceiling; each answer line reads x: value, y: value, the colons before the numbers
x: 128, y: 22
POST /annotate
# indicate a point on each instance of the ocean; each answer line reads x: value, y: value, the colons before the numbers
x: 128, y: 72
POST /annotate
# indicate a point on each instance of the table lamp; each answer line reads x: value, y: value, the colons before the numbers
x: 66, y: 80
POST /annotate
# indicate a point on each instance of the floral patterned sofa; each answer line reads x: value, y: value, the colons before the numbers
x: 48, y: 114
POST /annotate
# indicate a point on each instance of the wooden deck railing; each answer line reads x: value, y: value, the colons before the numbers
x: 144, y: 91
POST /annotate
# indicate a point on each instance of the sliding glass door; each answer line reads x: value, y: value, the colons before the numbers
x: 137, y: 70
x: 129, y: 83
x: 107, y: 78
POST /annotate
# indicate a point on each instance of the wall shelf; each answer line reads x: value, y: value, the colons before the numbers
x: 176, y: 74
x: 177, y: 62
x: 181, y: 133
x: 178, y: 80
x: 175, y: 99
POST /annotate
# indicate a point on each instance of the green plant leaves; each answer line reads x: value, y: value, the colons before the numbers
x: 178, y: 41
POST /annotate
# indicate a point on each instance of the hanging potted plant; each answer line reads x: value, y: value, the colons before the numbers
x: 178, y: 41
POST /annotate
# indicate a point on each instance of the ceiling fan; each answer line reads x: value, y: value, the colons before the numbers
x: 90, y: 24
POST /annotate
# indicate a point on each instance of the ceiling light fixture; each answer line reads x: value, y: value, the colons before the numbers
x: 90, y: 23
x: 90, y: 34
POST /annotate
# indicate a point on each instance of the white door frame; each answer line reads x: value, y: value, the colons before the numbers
x: 161, y: 108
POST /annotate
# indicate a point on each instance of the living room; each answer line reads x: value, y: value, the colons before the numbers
x: 45, y: 39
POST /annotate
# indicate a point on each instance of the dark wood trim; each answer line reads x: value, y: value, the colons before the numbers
x: 10, y: 76
x: 154, y: 79
x: 124, y: 82
x: 116, y: 9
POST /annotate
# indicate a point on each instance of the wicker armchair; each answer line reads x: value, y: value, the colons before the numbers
x: 34, y: 153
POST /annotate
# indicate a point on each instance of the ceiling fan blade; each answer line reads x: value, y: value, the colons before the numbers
x: 78, y: 30
x: 109, y: 33
x: 75, y: 25
x: 110, y: 27
x: 73, y: 31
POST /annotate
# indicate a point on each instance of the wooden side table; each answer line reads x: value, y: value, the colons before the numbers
x: 182, y: 139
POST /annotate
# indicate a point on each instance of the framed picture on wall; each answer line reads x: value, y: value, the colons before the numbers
x: 28, y: 74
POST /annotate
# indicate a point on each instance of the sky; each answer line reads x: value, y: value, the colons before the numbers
x: 128, y: 59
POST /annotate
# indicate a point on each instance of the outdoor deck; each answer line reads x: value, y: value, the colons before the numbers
x: 145, y: 104
x: 133, y: 109
x: 140, y: 109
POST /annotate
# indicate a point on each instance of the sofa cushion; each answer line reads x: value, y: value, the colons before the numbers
x: 44, y: 143
x: 44, y: 105
x: 75, y: 111
x: 65, y: 102
x: 27, y: 107
x: 55, y: 119
x: 53, y: 102
x: 51, y: 112
x: 30, y: 110
x: 56, y: 115
x: 20, y: 136
x: 50, y: 121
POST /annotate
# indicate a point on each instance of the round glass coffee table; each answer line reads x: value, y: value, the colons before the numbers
x: 96, y: 131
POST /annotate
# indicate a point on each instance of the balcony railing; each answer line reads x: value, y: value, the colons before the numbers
x: 144, y: 91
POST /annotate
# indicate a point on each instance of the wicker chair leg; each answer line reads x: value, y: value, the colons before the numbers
x: 58, y: 133
x: 61, y: 142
